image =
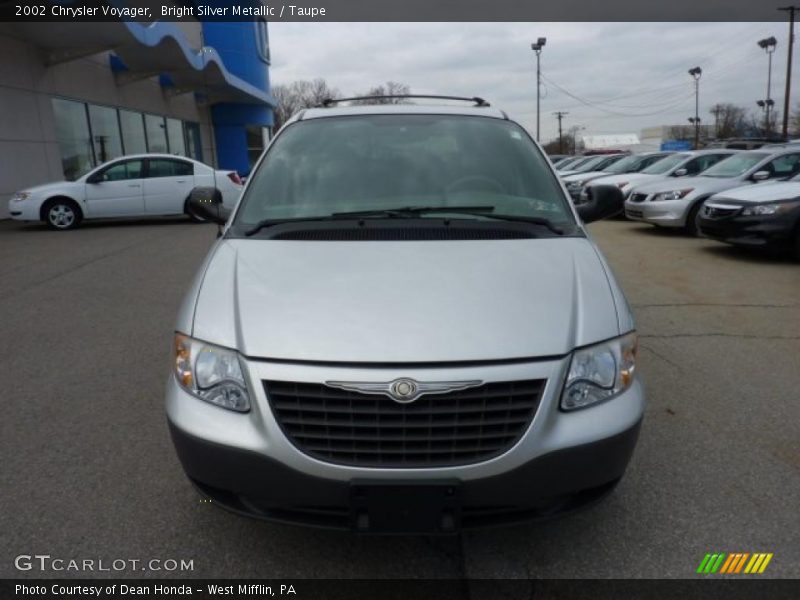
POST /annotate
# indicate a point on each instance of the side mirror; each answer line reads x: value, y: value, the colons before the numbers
x: 681, y: 172
x: 760, y: 175
x: 206, y: 203
x: 96, y: 178
x: 603, y: 201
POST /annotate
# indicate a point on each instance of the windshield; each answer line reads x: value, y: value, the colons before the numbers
x: 319, y: 167
x: 735, y: 165
x: 665, y: 164
x: 590, y: 164
x: 626, y: 165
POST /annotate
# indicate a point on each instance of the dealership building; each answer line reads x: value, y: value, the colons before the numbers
x: 74, y: 95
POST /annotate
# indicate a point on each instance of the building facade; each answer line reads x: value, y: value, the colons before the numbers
x: 74, y: 95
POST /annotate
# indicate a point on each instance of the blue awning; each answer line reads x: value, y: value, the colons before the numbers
x: 145, y: 50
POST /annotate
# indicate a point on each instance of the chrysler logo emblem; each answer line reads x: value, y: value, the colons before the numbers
x: 403, y: 390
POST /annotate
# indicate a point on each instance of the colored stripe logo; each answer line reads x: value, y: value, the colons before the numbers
x: 734, y: 563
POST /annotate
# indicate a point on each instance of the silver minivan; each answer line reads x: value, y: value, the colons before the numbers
x: 404, y: 327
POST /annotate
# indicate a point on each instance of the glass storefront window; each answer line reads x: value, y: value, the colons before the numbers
x: 105, y: 133
x: 194, y: 143
x: 156, y: 133
x: 74, y: 141
x: 132, y: 132
x: 175, y: 135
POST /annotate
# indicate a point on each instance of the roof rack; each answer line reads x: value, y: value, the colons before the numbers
x: 328, y: 102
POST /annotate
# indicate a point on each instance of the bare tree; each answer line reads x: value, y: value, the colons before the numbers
x: 298, y: 95
x: 729, y: 120
x: 390, y: 88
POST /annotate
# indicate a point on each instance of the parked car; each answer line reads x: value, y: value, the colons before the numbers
x: 764, y: 215
x: 681, y: 164
x: 592, y: 163
x: 403, y: 331
x: 676, y: 202
x: 567, y: 162
x: 139, y: 185
x: 632, y: 163
x: 557, y: 158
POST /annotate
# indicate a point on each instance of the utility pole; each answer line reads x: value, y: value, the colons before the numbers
x: 537, y: 48
x: 716, y: 110
x: 560, y: 115
x: 696, y: 72
x: 791, y: 10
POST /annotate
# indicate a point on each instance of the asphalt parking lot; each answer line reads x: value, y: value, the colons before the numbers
x: 89, y: 471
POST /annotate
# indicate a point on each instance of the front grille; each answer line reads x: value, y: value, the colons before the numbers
x: 436, y: 430
x: 638, y: 197
x: 719, y: 212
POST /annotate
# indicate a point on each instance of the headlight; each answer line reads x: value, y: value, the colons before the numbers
x: 21, y: 196
x: 600, y: 372
x: 673, y: 195
x: 622, y: 184
x: 574, y: 185
x: 211, y: 373
x: 768, y: 209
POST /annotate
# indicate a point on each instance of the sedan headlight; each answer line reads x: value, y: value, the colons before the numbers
x: 622, y: 184
x: 768, y: 209
x: 574, y: 186
x: 673, y: 195
x: 600, y: 372
x: 211, y: 373
x: 19, y: 196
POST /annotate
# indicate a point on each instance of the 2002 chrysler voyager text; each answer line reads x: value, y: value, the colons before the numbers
x: 404, y: 327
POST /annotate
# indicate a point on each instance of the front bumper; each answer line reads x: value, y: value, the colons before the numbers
x: 767, y: 230
x: 24, y: 210
x: 244, y: 462
x: 668, y: 213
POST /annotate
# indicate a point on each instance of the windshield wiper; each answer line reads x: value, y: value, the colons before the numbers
x: 482, y: 211
x: 411, y: 211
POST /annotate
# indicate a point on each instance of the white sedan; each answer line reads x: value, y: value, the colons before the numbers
x: 141, y: 185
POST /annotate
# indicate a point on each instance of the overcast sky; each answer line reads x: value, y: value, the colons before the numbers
x: 633, y: 75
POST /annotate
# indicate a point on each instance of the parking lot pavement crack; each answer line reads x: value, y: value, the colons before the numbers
x: 714, y: 304
x: 73, y: 269
x: 665, y: 336
x: 660, y: 356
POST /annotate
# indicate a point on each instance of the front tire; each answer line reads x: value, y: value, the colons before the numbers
x: 62, y: 214
x: 691, y: 220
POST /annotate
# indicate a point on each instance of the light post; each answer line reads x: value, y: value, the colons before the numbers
x: 537, y: 48
x: 768, y: 44
x: 787, y: 92
x: 696, y: 72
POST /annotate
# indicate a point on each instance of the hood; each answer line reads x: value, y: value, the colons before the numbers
x: 50, y: 187
x: 699, y: 185
x: 766, y: 192
x: 399, y: 302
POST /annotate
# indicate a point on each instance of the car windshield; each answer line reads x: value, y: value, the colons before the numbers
x: 665, y: 164
x: 627, y: 164
x: 323, y: 166
x: 735, y: 165
x: 590, y: 164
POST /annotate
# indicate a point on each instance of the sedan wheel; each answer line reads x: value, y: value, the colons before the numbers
x: 62, y: 215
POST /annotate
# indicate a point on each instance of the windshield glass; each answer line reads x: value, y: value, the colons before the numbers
x: 590, y: 164
x: 328, y: 165
x: 625, y: 165
x: 665, y: 164
x: 736, y: 165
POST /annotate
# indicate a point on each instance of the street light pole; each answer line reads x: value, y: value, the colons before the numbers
x: 768, y: 44
x: 537, y: 48
x: 791, y: 10
x: 696, y: 72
